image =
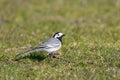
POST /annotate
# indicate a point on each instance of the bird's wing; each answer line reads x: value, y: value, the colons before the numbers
x: 52, y: 42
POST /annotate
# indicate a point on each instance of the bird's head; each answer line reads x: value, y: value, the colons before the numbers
x: 58, y: 35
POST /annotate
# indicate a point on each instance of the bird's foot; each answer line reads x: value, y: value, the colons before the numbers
x: 55, y: 55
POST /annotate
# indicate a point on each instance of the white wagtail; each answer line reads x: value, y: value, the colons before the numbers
x: 50, y: 46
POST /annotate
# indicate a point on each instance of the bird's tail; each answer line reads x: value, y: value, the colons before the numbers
x: 31, y: 50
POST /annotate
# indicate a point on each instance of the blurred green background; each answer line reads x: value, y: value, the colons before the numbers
x: 91, y: 47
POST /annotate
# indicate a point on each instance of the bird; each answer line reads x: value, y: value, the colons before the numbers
x: 50, y: 46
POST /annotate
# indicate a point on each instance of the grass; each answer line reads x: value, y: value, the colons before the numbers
x: 91, y: 47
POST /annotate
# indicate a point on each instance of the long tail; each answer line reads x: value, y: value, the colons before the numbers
x: 31, y: 50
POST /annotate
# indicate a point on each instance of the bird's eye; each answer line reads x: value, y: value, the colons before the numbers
x: 58, y: 34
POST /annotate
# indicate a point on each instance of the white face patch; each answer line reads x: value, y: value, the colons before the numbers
x: 58, y: 35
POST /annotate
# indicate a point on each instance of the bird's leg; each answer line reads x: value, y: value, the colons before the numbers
x: 54, y: 55
x: 51, y: 54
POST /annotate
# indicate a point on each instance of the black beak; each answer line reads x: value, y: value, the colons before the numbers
x: 63, y: 35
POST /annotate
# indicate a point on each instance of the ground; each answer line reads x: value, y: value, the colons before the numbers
x: 91, y: 47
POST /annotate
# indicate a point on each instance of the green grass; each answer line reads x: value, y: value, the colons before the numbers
x: 91, y: 47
